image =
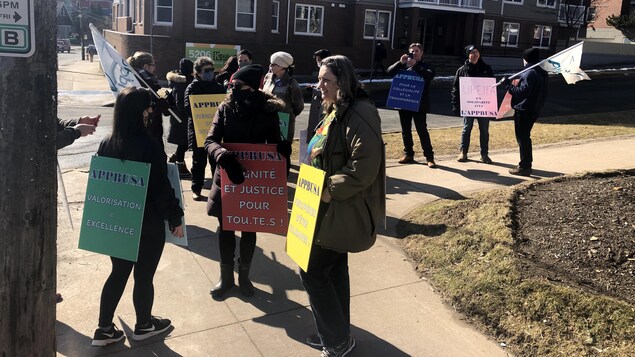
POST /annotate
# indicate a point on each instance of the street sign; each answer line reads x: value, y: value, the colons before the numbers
x: 17, y: 28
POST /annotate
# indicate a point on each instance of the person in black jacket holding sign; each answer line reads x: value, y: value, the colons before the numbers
x: 412, y: 61
x: 473, y: 67
x: 130, y: 141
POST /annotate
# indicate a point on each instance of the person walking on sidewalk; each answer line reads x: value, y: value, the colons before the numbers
x: 528, y: 98
x: 130, y: 141
x: 204, y: 83
x: 349, y: 147
x: 474, y: 67
x: 412, y: 61
x: 178, y: 81
x: 247, y: 115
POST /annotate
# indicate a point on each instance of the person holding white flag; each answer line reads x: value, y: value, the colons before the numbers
x: 528, y: 98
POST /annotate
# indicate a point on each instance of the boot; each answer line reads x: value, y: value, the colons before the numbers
x: 184, y: 173
x: 246, y: 287
x: 225, y: 283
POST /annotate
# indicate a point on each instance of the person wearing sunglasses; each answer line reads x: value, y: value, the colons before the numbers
x: 204, y: 83
x: 247, y: 115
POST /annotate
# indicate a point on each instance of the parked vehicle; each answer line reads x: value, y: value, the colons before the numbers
x: 63, y: 45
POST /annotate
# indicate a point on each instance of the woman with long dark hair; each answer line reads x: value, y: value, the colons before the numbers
x: 130, y: 141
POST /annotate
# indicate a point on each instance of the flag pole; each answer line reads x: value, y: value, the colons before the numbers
x: 156, y: 95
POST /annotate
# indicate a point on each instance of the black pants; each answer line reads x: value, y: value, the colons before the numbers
x: 150, y: 250
x: 227, y: 245
x: 327, y: 283
x: 523, y: 123
x: 179, y: 155
x: 199, y: 163
x: 405, y: 118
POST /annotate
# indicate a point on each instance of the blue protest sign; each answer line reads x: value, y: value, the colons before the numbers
x: 405, y: 91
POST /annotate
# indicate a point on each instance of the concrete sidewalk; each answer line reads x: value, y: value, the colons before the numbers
x: 393, y: 311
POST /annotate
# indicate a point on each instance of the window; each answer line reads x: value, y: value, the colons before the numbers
x: 275, y: 16
x: 487, y: 37
x: 510, y: 34
x: 246, y: 15
x: 163, y: 12
x: 205, y: 13
x: 546, y: 3
x: 571, y: 14
x: 379, y: 20
x: 308, y: 20
x: 542, y: 36
x: 515, y: 2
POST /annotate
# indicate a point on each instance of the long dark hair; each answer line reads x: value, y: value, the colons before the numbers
x: 231, y: 65
x: 128, y: 117
x: 344, y: 71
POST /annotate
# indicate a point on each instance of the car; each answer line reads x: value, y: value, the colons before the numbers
x: 63, y: 45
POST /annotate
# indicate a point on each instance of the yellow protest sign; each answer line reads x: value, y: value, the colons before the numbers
x: 304, y: 214
x: 203, y: 109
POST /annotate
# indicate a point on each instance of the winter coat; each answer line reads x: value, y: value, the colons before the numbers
x: 195, y: 88
x: 161, y: 202
x: 289, y: 91
x: 355, y: 166
x: 255, y: 124
x: 480, y: 69
x: 178, y: 131
x: 531, y: 91
x: 66, y: 133
x: 424, y: 70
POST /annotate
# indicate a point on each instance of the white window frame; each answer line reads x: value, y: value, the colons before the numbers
x: 276, y: 16
x: 156, y: 13
x: 542, y: 31
x: 506, y: 42
x: 546, y: 4
x: 246, y: 29
x: 311, y: 9
x: 514, y: 2
x: 493, y: 22
x: 377, y: 13
x: 205, y: 26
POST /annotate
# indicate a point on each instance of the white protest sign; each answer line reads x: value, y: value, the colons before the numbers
x: 478, y: 97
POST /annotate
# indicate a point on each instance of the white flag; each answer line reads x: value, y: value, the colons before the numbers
x: 118, y: 72
x: 567, y: 63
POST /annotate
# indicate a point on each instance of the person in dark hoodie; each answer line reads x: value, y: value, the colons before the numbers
x: 528, y: 99
x: 247, y: 115
x: 474, y: 67
x: 203, y: 83
x: 178, y: 81
x: 130, y: 141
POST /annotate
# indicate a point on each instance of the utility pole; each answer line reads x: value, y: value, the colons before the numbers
x: 81, y: 28
x: 28, y: 214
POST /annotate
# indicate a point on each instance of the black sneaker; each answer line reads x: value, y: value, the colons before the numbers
x: 519, y: 171
x: 103, y: 338
x: 339, y: 351
x: 314, y: 341
x: 156, y: 326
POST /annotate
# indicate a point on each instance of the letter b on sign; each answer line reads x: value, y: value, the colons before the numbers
x: 13, y: 38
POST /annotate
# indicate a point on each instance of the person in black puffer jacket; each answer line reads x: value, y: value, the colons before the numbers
x: 247, y: 115
x: 474, y: 67
x: 204, y: 83
x: 178, y: 82
x: 130, y: 141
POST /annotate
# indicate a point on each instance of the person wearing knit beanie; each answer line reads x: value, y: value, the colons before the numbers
x: 282, y: 59
x: 531, y: 55
x: 186, y: 67
x: 280, y: 83
x: 251, y: 75
x: 470, y: 48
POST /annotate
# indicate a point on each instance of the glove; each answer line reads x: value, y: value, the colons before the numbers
x: 170, y: 98
x: 162, y: 106
x: 231, y: 165
x: 505, y: 81
x: 284, y: 148
x: 456, y: 111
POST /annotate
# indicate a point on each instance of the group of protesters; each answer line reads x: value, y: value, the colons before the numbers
x: 344, y: 140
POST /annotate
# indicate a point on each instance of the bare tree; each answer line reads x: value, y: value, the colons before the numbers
x: 576, y: 15
x: 623, y: 23
x: 28, y: 214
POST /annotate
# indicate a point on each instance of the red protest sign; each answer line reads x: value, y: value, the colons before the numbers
x: 260, y: 203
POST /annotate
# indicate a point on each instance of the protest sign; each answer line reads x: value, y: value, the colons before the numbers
x: 405, y: 91
x: 283, y: 120
x: 114, y: 206
x: 306, y: 204
x: 478, y: 97
x: 260, y: 203
x: 218, y: 53
x: 204, y: 107
x: 175, y: 181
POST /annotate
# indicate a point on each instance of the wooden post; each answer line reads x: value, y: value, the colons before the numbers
x: 28, y: 189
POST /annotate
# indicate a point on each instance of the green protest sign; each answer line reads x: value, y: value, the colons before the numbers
x: 113, y: 208
x: 217, y: 52
x: 283, y: 121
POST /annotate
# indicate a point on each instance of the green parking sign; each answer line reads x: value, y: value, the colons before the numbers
x: 17, y: 32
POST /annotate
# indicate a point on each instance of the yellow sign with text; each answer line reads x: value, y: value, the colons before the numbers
x: 306, y: 204
x: 203, y: 109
